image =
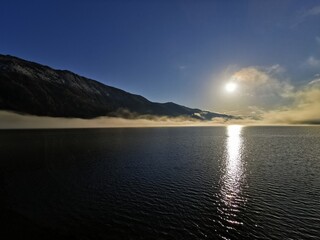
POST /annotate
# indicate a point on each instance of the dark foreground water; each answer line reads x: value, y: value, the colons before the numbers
x: 161, y: 183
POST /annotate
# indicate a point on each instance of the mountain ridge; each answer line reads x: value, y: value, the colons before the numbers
x: 31, y: 88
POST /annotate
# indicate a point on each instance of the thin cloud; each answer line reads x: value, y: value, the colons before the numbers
x: 312, y: 62
x: 315, y: 81
x: 262, y: 81
x: 311, y: 12
x: 306, y: 108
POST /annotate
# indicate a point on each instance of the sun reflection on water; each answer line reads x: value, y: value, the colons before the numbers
x: 234, y: 142
x: 232, y: 179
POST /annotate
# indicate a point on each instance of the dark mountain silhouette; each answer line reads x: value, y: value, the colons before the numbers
x: 31, y: 88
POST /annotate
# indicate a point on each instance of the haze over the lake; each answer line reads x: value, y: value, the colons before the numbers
x: 188, y: 52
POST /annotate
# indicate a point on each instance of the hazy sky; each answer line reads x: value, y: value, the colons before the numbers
x: 181, y: 51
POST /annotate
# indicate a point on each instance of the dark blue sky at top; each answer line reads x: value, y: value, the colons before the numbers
x: 165, y: 50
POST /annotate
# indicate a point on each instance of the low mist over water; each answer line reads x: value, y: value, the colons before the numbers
x: 161, y: 183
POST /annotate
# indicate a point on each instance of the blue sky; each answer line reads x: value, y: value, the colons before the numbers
x: 180, y: 51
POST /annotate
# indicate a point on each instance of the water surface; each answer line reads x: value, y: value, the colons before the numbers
x: 161, y: 183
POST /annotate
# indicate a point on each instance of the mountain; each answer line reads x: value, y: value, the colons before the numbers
x: 31, y: 88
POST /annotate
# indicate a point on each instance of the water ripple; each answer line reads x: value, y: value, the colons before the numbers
x: 174, y: 183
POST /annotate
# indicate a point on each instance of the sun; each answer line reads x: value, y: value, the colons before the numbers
x: 231, y: 87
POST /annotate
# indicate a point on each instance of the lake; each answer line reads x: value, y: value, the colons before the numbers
x: 161, y: 183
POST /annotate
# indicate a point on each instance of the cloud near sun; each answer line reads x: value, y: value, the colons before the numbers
x: 257, y: 81
x: 275, y: 99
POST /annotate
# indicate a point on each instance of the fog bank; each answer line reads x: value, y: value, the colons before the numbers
x: 10, y: 120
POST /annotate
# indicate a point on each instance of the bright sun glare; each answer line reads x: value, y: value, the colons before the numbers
x: 231, y: 87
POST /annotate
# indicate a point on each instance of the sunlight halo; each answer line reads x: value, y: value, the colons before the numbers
x: 231, y: 87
